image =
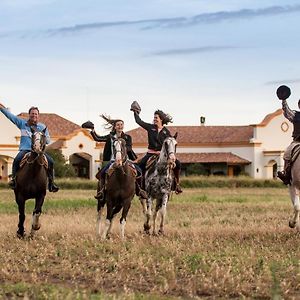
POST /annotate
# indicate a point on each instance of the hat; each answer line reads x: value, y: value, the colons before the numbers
x: 283, y: 92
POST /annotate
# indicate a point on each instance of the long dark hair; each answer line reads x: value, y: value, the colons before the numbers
x: 166, y: 118
x: 110, y: 123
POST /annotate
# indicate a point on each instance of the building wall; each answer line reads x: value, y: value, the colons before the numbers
x: 82, y: 143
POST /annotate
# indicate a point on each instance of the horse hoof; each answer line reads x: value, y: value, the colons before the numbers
x: 20, y: 234
x: 161, y: 232
x: 37, y: 227
x: 292, y: 224
x: 147, y: 227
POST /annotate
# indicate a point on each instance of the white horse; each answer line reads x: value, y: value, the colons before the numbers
x: 294, y: 189
x: 158, y: 183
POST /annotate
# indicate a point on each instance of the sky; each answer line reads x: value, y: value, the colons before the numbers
x: 220, y: 59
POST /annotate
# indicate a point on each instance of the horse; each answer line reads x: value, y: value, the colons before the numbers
x: 120, y: 189
x: 294, y: 188
x: 31, y: 181
x: 158, y: 183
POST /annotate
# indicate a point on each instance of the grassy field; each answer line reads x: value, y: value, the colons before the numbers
x: 219, y: 243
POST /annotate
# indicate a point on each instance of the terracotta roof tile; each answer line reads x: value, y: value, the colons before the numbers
x: 213, y: 157
x: 201, y: 134
x: 57, y: 125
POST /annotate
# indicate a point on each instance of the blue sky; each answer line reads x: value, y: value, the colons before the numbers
x: 220, y: 59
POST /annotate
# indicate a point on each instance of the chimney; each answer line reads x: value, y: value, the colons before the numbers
x: 202, y: 121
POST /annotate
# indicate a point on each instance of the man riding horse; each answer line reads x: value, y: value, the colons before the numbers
x: 116, y: 127
x: 283, y: 92
x: 157, y: 133
x: 25, y: 143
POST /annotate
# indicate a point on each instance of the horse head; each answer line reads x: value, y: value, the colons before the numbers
x: 38, y: 140
x: 119, y: 151
x: 168, y: 150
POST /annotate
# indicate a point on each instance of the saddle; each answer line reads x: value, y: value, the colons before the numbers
x: 26, y: 157
x: 132, y: 169
x: 295, y: 153
x: 151, y: 161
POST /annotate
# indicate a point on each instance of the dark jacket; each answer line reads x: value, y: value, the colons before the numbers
x: 107, y: 147
x: 155, y: 138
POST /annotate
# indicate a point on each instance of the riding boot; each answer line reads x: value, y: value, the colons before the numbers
x: 178, y: 189
x: 285, y: 175
x: 52, y: 187
x: 100, y: 188
x: 142, y: 194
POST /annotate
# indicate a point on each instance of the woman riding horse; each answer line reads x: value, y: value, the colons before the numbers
x: 116, y: 127
x: 25, y: 143
x: 157, y: 133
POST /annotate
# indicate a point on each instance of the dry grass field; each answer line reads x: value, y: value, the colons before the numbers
x: 219, y: 243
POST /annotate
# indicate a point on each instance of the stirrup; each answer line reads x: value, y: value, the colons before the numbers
x: 12, y: 183
x: 282, y: 175
x: 178, y: 189
x: 100, y: 195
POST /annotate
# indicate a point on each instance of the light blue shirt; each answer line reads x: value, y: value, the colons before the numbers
x: 25, y: 142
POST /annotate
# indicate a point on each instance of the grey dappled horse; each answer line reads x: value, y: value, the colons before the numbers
x: 31, y: 181
x: 120, y: 189
x: 158, y: 183
x: 294, y: 189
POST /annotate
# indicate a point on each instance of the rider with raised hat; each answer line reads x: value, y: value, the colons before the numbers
x: 25, y: 143
x: 283, y: 92
x: 116, y: 127
x: 157, y: 133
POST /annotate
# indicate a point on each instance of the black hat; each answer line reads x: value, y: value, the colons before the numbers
x: 283, y: 92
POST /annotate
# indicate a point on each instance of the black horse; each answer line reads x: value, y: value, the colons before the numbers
x: 31, y: 181
x: 120, y: 189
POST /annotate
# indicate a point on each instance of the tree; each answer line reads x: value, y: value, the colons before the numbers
x: 61, y: 167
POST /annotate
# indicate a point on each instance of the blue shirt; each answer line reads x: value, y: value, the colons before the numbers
x: 25, y: 142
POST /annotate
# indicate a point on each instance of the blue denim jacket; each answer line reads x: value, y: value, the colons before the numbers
x: 25, y: 142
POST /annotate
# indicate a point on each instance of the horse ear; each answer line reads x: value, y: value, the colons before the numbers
x: 32, y: 129
x: 175, y: 135
x: 44, y: 130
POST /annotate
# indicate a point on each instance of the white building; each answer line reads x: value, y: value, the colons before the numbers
x: 230, y: 150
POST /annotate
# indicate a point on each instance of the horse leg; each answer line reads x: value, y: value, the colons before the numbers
x: 125, y: 210
x: 148, y: 214
x: 294, y: 193
x: 111, y: 212
x: 100, y: 208
x: 155, y: 217
x: 163, y: 212
x: 36, y: 225
x: 21, y: 207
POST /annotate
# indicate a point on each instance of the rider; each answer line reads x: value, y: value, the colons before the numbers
x: 116, y: 127
x: 25, y: 143
x: 294, y: 117
x: 157, y: 133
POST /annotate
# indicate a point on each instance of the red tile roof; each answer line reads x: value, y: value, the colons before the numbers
x: 201, y: 134
x: 57, y: 125
x: 213, y: 157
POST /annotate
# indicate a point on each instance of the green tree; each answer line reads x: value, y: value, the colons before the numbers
x: 61, y: 167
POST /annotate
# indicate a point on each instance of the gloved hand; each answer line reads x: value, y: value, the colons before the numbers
x: 88, y: 125
x: 135, y: 107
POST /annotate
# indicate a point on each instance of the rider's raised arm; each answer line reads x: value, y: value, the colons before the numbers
x: 139, y: 121
x: 99, y: 138
x: 287, y: 112
x: 14, y: 119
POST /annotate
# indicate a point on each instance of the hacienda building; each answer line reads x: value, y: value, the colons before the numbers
x: 256, y: 150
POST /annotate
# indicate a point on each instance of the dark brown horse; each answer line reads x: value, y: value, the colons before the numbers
x: 31, y: 181
x: 120, y: 189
